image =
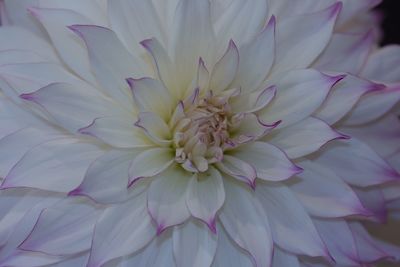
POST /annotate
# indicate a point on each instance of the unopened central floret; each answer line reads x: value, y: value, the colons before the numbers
x: 201, y: 134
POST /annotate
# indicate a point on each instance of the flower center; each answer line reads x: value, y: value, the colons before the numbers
x: 201, y: 134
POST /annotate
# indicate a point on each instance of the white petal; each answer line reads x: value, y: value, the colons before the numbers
x: 304, y: 137
x: 291, y: 227
x: 238, y: 169
x: 383, y: 65
x: 58, y: 165
x: 155, y: 128
x: 300, y: 39
x: 300, y: 93
x: 357, y: 164
x: 167, y: 193
x: 14, y: 146
x: 192, y: 38
x: 157, y: 254
x: 246, y: 223
x: 30, y: 259
x: 14, y: 38
x: 225, y: 69
x: 134, y: 21
x: 374, y: 200
x: 320, y: 188
x: 205, y: 196
x: 369, y: 249
x: 93, y: 10
x: 343, y: 96
x: 63, y: 229
x: 383, y: 135
x: 16, y: 56
x: 150, y: 162
x: 254, y: 101
x: 29, y: 77
x: 71, y: 49
x: 345, y: 53
x: 194, y: 245
x: 282, y: 258
x: 72, y: 106
x: 256, y: 59
x: 238, y: 20
x: 163, y: 62
x: 373, y: 105
x: 119, y: 132
x: 228, y: 253
x: 270, y: 163
x: 151, y: 95
x: 110, y: 69
x: 339, y: 240
x: 121, y: 230
x: 106, y: 179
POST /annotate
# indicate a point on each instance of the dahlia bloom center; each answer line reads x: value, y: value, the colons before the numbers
x: 202, y: 131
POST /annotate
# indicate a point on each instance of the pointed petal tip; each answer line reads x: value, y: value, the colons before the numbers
x: 147, y: 43
x: 76, y: 192
x: 335, y: 9
x: 28, y: 96
x: 212, y: 225
x: 160, y: 229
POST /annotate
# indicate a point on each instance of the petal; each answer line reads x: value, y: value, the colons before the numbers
x: 72, y: 106
x: 300, y: 93
x: 300, y: 39
x: 163, y: 62
x: 157, y: 254
x: 228, y: 253
x: 339, y: 240
x: 194, y: 245
x: 238, y: 20
x: 320, y: 187
x: 29, y: 77
x: 346, y: 53
x: 150, y: 162
x: 256, y: 59
x: 248, y: 128
x: 373, y: 105
x: 106, y: 179
x: 383, y: 65
x: 254, y: 101
x: 155, y: 128
x: 374, y: 200
x: 343, y: 97
x: 15, y: 145
x: 283, y: 258
x: 191, y: 16
x: 270, y: 162
x: 110, y: 69
x: 70, y: 48
x: 238, y: 169
x: 291, y: 227
x: 14, y: 38
x: 357, y: 164
x: 246, y: 223
x: 58, y: 165
x: 205, y: 196
x: 121, y: 230
x: 93, y: 10
x: 151, y: 95
x: 63, y: 229
x: 304, y: 137
x: 134, y: 21
x: 225, y: 69
x: 369, y: 249
x: 167, y: 193
x: 119, y: 132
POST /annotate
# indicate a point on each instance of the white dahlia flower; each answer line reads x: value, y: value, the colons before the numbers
x: 193, y: 133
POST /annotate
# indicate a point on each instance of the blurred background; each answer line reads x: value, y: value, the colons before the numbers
x: 390, y: 10
x: 390, y: 14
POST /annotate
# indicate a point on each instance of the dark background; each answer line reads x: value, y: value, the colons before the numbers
x: 390, y: 10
